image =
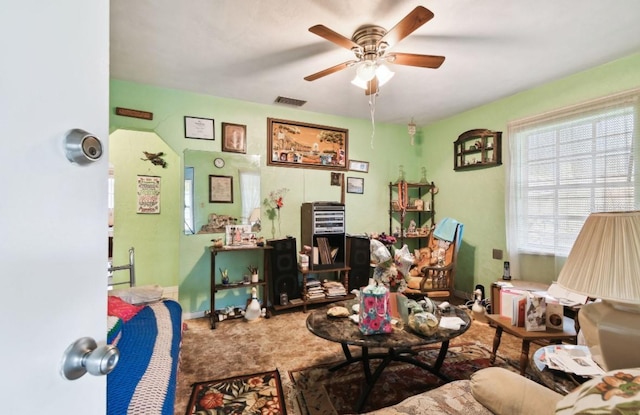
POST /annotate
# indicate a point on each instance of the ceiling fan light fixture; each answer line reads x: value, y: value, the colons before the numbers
x: 384, y: 74
x: 366, y: 70
x: 359, y: 82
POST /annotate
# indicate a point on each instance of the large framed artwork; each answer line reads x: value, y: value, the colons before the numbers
x: 296, y: 144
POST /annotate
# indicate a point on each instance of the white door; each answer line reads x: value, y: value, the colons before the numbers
x: 54, y: 70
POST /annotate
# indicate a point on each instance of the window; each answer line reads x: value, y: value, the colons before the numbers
x: 188, y: 202
x: 567, y: 164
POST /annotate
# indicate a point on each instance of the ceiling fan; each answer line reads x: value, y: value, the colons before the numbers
x: 370, y: 44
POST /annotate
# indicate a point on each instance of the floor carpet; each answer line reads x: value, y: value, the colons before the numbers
x: 283, y: 343
x: 324, y: 392
x: 255, y: 394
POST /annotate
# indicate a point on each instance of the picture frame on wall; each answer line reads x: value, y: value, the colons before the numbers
x: 298, y: 144
x: 148, y: 194
x: 355, y: 185
x: 199, y: 128
x: 357, y: 165
x: 220, y: 189
x: 234, y: 138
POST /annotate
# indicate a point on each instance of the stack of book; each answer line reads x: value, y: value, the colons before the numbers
x: 314, y: 289
x: 333, y: 289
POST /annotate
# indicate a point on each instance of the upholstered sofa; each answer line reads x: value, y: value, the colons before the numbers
x: 499, y: 391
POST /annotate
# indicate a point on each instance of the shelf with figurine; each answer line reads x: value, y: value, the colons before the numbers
x: 477, y: 148
x: 411, y: 209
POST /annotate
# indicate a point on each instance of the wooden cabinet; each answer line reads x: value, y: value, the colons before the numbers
x: 407, y: 202
x: 476, y: 149
x: 215, y: 288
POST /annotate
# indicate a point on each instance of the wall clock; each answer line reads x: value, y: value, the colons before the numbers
x: 218, y: 162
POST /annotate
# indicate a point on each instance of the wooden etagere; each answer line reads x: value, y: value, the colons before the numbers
x: 420, y: 207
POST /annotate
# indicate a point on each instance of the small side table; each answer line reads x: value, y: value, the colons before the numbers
x: 502, y: 323
x: 557, y: 380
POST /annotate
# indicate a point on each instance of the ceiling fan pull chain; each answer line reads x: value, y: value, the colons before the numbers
x: 372, y: 110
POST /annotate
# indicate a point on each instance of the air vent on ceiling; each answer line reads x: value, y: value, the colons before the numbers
x: 290, y: 101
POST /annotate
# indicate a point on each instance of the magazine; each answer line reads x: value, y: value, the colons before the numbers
x: 571, y: 359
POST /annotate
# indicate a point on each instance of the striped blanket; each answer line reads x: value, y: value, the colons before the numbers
x: 144, y: 381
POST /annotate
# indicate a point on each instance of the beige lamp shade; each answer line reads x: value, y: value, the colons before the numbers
x: 604, y: 262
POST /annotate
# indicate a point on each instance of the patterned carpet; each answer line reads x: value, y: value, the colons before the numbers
x: 237, y: 348
x: 259, y: 394
x: 339, y: 390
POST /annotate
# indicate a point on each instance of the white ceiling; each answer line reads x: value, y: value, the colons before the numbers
x: 257, y: 50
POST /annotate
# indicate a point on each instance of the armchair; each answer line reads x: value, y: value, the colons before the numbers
x: 433, y: 274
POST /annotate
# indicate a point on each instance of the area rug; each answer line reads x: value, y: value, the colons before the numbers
x: 260, y: 393
x: 324, y: 392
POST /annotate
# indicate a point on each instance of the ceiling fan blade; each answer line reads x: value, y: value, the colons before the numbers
x: 372, y: 86
x: 332, y: 36
x: 412, y: 59
x: 419, y: 16
x: 329, y: 71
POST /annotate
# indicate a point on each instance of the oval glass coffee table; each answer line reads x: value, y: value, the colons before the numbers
x: 398, y: 344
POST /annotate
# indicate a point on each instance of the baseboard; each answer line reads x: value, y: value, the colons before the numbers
x: 190, y: 316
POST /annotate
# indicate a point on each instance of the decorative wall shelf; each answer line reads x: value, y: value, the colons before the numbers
x: 477, y: 149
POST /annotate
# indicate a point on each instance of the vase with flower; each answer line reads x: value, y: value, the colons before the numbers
x: 274, y: 204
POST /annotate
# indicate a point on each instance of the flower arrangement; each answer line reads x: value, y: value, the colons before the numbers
x: 391, y: 270
x: 274, y: 203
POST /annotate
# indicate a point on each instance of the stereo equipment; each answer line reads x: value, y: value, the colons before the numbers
x: 323, y: 229
x: 283, y: 274
x: 358, y: 259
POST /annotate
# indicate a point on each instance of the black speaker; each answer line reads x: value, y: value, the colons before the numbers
x: 358, y: 259
x: 284, y: 269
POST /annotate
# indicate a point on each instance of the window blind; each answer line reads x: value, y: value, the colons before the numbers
x: 565, y: 165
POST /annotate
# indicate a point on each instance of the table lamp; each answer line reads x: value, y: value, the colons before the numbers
x: 604, y: 264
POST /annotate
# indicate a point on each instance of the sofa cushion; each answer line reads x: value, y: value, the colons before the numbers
x: 618, y: 391
x: 507, y: 393
x: 452, y: 398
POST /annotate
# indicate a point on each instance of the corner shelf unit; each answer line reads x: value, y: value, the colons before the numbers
x: 477, y: 149
x: 422, y: 212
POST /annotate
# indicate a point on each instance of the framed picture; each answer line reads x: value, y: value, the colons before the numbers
x: 336, y: 179
x: 355, y: 185
x: 201, y: 128
x: 148, y: 192
x: 234, y: 138
x: 296, y: 144
x: 220, y: 189
x: 357, y: 165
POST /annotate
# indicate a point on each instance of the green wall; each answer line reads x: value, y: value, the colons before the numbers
x: 474, y: 197
x: 477, y: 197
x: 152, y: 235
x: 389, y: 148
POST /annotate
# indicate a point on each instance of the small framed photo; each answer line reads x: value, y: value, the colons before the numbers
x: 234, y: 138
x: 336, y: 179
x: 220, y: 189
x: 200, y: 128
x: 355, y: 185
x: 357, y: 165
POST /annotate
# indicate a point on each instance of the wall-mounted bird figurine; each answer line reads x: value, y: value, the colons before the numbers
x: 155, y: 158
